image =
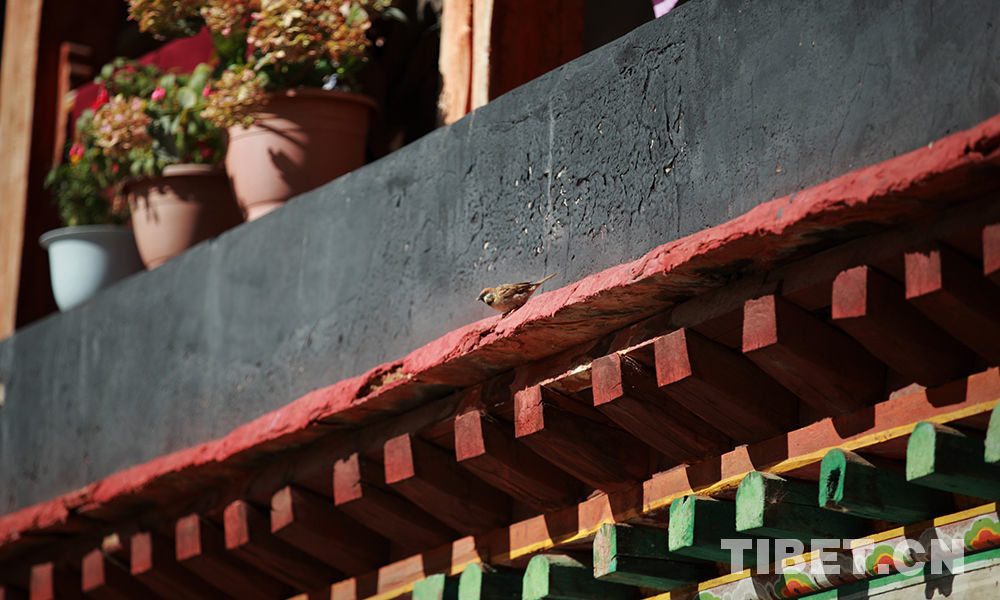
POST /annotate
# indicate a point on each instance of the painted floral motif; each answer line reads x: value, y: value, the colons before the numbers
x: 984, y: 533
x: 885, y: 554
x: 793, y: 585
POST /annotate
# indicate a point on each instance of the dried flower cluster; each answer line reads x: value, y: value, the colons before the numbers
x: 239, y: 94
x: 305, y: 31
x: 120, y: 126
x: 226, y: 17
x: 167, y: 18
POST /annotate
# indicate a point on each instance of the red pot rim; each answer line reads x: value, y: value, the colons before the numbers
x: 307, y: 92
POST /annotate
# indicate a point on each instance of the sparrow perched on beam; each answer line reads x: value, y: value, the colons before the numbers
x: 510, y: 296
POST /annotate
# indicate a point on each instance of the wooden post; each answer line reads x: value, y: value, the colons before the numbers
x: 430, y: 478
x: 821, y: 365
x: 480, y: 581
x: 560, y: 577
x: 991, y: 252
x: 356, y: 494
x: 8, y: 592
x: 723, y: 387
x: 771, y: 506
x: 599, y: 455
x: 102, y: 579
x: 639, y: 556
x: 489, y: 47
x: 626, y: 392
x: 248, y: 536
x: 455, y: 59
x: 851, y: 484
x: 950, y: 290
x: 153, y: 562
x: 698, y: 524
x: 22, y: 23
x: 313, y: 524
x: 201, y: 548
x: 488, y: 450
x: 872, y: 309
x: 436, y: 587
x: 946, y: 459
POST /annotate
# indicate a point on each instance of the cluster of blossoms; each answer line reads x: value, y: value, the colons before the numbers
x: 238, y: 95
x: 121, y: 126
x: 266, y: 45
x: 167, y: 18
x: 306, y: 31
x: 226, y: 17
x: 141, y: 121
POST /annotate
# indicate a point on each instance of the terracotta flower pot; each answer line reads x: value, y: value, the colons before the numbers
x: 86, y: 259
x: 303, y: 139
x: 183, y: 206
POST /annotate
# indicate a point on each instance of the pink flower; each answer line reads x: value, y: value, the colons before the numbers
x: 76, y: 152
x: 206, y: 153
x: 101, y: 99
x: 158, y: 94
x: 205, y: 93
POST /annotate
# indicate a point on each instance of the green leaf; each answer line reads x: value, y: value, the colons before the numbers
x: 168, y: 81
x: 199, y: 77
x: 395, y: 14
x: 186, y: 97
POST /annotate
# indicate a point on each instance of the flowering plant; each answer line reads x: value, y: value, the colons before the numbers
x: 141, y: 121
x: 266, y: 45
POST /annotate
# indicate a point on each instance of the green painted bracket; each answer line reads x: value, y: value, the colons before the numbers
x: 946, y: 459
x: 851, y: 484
x: 560, y: 577
x: 484, y: 582
x: 640, y: 556
x: 771, y: 506
x: 992, y: 454
x: 698, y: 525
x: 436, y: 587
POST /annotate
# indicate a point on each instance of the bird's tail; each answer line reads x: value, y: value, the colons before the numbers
x: 543, y: 280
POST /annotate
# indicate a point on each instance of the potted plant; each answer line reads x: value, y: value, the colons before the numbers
x: 150, y: 128
x: 95, y: 249
x: 285, y: 89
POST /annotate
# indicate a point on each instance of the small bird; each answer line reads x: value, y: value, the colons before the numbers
x: 510, y: 296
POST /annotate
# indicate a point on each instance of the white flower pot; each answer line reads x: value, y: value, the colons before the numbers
x: 85, y: 259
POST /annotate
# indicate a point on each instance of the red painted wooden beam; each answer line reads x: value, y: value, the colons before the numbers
x: 597, y: 454
x: 872, y: 308
x: 356, y: 494
x: 430, y: 478
x: 201, y: 547
x: 723, y: 387
x: 626, y: 392
x: 484, y: 447
x: 248, y: 536
x: 991, y: 252
x: 313, y: 524
x: 50, y: 581
x: 102, y: 579
x: 154, y: 563
x: 8, y: 592
x: 949, y: 289
x: 818, y: 363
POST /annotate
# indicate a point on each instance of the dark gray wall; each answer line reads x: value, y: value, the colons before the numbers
x: 684, y: 123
